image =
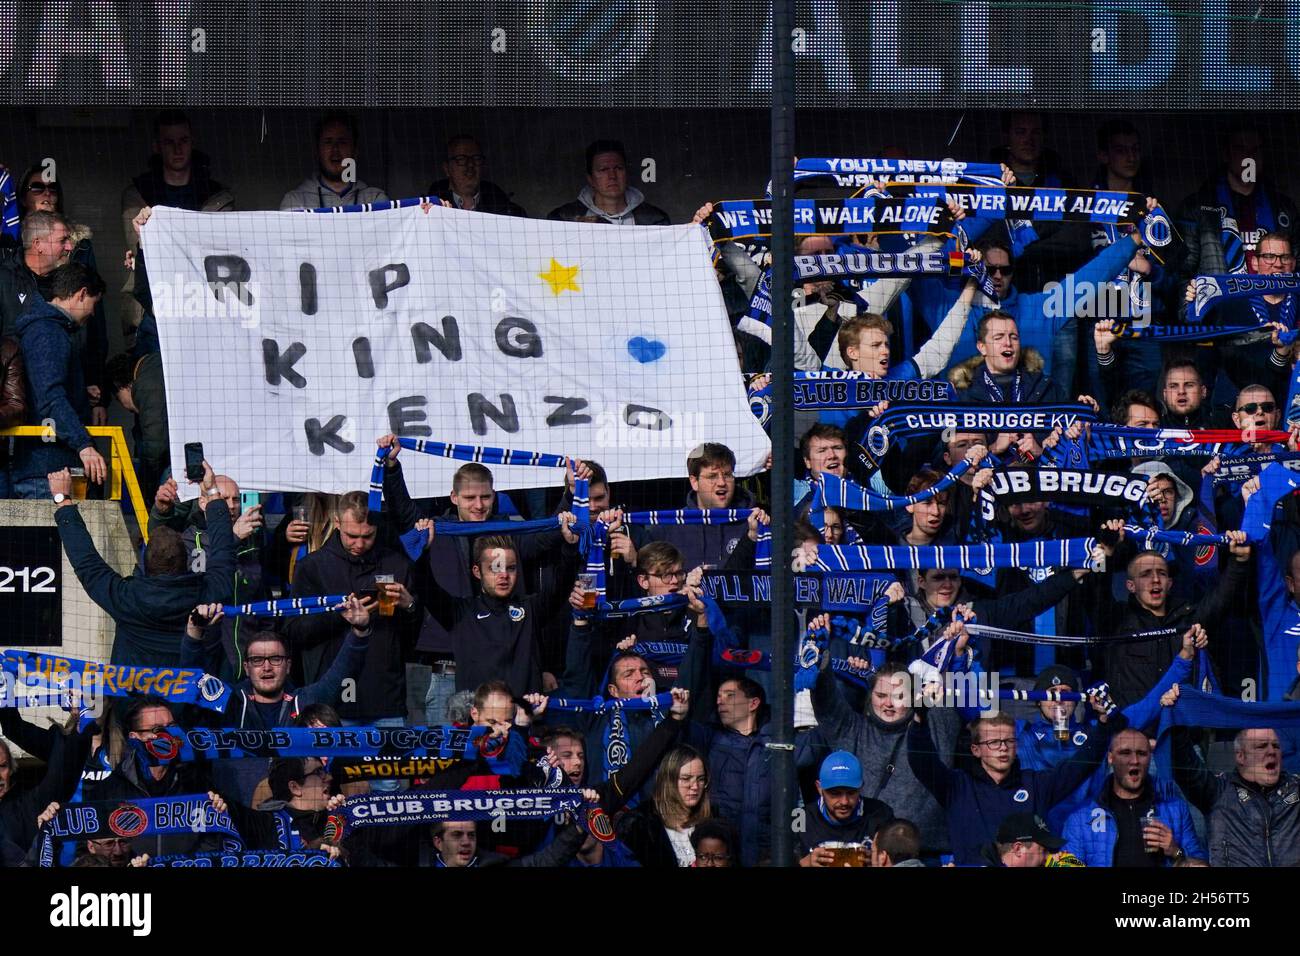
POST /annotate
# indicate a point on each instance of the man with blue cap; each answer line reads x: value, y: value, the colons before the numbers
x: 841, y: 814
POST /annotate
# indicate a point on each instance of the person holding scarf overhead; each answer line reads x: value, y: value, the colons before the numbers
x: 1258, y: 354
x: 629, y: 675
x: 1245, y: 205
x: 978, y: 800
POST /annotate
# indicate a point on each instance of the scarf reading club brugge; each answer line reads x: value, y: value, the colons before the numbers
x: 265, y: 859
x: 905, y: 421
x: 1090, y: 489
x: 856, y: 262
x: 435, y: 806
x: 851, y: 390
x: 444, y: 742
x: 151, y: 816
x: 1212, y: 290
x: 52, y: 673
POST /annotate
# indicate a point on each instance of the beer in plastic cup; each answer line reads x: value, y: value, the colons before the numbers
x: 1061, y: 724
x: 80, y: 484
x: 847, y: 854
x: 588, y: 582
x: 387, y: 599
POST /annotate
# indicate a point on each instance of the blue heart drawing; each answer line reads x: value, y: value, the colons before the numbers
x: 645, y: 350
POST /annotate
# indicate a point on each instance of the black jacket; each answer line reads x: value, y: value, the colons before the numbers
x: 20, y: 807
x: 20, y: 288
x: 150, y: 612
x: 448, y: 559
x: 496, y: 639
x: 153, y: 187
x: 1132, y: 669
x: 491, y: 198
x: 129, y: 781
x: 317, y: 638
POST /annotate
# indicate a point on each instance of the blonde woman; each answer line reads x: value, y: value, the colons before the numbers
x: 306, y: 530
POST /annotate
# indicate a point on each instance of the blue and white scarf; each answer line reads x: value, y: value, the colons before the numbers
x: 485, y: 455
x: 862, y: 172
x: 822, y: 390
x: 905, y: 421
x: 833, y: 491
x: 1063, y: 553
x: 615, y: 747
x: 742, y: 218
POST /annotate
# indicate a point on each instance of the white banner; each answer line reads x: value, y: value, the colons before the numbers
x: 291, y: 341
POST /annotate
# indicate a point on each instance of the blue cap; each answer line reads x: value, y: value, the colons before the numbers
x: 840, y: 769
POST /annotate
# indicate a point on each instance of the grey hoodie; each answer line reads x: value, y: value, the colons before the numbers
x: 1184, y: 493
x: 638, y: 212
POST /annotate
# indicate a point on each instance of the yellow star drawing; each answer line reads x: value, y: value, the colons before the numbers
x: 560, y: 278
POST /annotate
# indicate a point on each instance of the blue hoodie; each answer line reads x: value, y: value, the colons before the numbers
x: 56, y: 390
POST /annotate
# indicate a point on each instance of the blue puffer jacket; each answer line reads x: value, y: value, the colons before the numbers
x: 740, y: 787
x: 1090, y: 832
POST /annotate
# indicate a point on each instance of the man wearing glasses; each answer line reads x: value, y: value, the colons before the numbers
x: 137, y: 776
x: 978, y: 800
x: 464, y: 186
x: 265, y: 698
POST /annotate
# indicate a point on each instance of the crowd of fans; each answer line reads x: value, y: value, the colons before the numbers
x: 486, y: 630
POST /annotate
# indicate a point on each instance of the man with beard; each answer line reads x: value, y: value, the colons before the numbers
x: 1136, y: 820
x: 1254, y: 811
x: 842, y: 814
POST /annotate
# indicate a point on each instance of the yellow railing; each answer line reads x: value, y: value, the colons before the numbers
x: 119, y: 465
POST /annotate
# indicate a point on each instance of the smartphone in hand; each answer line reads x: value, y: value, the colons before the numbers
x: 194, y: 460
